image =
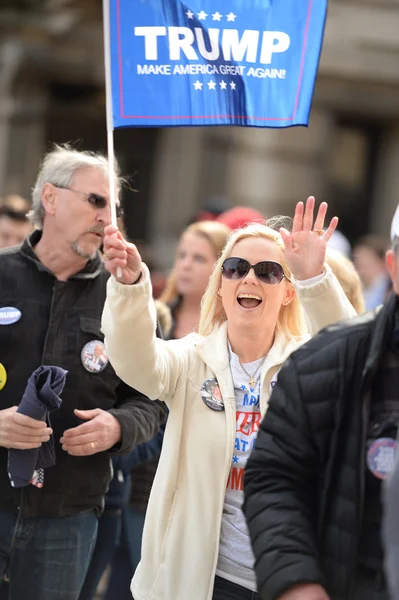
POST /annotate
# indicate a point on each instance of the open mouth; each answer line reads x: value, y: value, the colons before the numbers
x: 184, y: 280
x: 249, y: 300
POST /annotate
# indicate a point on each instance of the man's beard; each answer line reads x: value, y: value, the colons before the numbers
x: 79, y: 251
x: 82, y: 253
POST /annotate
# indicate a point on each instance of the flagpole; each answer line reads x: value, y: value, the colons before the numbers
x: 109, y: 114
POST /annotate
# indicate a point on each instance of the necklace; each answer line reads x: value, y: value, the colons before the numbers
x: 252, y: 379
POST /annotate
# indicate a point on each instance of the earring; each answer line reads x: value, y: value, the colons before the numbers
x: 219, y: 293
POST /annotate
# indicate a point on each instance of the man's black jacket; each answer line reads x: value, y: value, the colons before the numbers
x: 58, y: 319
x: 304, y: 482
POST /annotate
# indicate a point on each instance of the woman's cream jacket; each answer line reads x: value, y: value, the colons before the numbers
x: 181, y: 532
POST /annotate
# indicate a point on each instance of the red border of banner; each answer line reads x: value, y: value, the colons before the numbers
x: 121, y: 105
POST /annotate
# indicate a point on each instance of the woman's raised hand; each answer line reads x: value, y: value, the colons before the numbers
x: 121, y: 258
x: 305, y: 246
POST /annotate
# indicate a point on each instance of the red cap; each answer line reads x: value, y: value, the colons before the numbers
x: 240, y: 216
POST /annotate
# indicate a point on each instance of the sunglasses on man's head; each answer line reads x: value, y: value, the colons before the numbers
x: 267, y: 271
x: 94, y: 200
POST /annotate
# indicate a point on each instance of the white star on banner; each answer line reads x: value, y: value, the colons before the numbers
x: 216, y: 16
x: 202, y: 15
x: 232, y: 85
x: 190, y: 14
x: 198, y: 85
x: 231, y: 17
x: 211, y: 85
x: 223, y: 85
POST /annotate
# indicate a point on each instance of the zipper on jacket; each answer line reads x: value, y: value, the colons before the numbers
x: 52, y: 343
x: 21, y: 505
x: 365, y: 393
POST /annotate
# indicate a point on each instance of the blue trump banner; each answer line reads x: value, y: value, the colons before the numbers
x: 214, y: 62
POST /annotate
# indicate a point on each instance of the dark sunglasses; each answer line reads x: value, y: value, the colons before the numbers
x: 267, y: 271
x: 94, y: 200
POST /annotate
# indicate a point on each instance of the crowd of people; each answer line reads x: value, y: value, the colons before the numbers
x: 226, y: 440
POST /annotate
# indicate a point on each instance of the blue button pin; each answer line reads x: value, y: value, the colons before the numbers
x: 9, y: 315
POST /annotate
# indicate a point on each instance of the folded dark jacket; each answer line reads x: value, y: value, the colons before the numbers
x: 40, y: 398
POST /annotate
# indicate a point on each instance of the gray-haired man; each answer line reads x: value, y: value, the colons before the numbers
x: 52, y: 291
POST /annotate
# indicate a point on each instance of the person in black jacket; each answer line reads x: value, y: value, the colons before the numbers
x: 52, y: 291
x: 313, y: 482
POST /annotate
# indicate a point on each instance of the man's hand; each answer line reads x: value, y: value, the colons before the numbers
x: 21, y: 432
x: 305, y: 591
x: 101, y: 432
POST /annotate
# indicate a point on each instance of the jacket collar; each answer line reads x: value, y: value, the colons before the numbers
x: 90, y: 271
x: 213, y: 348
x: 214, y: 352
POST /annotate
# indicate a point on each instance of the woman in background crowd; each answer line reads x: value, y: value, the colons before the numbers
x: 199, y: 248
x: 369, y: 259
x: 344, y: 270
x: 216, y: 385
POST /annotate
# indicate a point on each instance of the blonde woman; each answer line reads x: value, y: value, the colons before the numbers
x: 199, y: 247
x: 217, y: 385
x: 345, y: 271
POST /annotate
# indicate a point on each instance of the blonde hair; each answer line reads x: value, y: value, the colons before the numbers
x: 290, y: 320
x: 215, y: 234
x: 344, y: 270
